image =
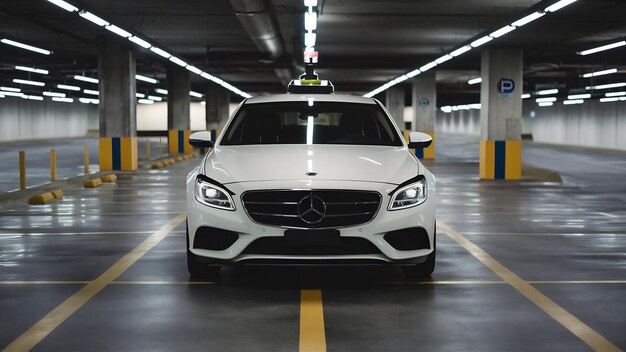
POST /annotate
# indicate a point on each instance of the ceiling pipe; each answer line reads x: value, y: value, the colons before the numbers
x: 262, y: 26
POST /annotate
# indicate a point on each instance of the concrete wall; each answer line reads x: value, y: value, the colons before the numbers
x: 592, y: 124
x: 31, y: 119
x: 462, y: 121
x: 153, y: 117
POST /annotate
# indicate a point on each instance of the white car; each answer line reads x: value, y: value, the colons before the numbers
x: 313, y: 179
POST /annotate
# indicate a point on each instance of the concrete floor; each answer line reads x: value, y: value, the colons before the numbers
x: 507, y: 253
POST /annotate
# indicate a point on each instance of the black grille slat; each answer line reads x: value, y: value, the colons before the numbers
x: 280, y: 208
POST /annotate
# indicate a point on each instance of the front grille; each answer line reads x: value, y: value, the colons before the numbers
x: 280, y: 208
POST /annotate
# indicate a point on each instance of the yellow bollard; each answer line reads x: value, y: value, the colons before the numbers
x: 160, y: 147
x: 53, y: 165
x: 22, y: 169
x: 86, y: 159
x: 148, y: 149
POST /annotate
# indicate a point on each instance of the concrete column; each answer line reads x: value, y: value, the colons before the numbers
x: 394, y: 101
x: 425, y: 109
x: 217, y: 102
x: 118, y: 105
x: 501, y: 114
x: 178, y: 110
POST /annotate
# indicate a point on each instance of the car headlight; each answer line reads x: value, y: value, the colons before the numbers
x: 409, y: 196
x: 213, y: 196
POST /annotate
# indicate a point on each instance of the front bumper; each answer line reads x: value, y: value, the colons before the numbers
x: 421, y: 216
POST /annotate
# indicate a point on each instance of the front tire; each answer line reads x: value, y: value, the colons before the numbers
x: 426, y: 268
x: 198, y: 269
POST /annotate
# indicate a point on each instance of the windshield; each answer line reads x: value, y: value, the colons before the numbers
x: 310, y: 122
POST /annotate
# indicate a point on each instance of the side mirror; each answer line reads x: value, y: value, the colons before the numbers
x: 419, y: 140
x: 201, y: 139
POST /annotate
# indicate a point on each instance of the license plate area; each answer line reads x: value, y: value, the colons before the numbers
x: 312, y: 238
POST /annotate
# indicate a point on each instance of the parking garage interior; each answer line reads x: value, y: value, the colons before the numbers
x: 525, y: 101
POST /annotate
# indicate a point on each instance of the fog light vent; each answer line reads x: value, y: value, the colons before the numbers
x: 214, y: 239
x: 408, y: 239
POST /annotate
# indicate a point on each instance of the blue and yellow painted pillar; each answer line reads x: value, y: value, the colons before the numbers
x: 501, y: 114
x: 118, y: 153
x: 178, y: 142
x: 500, y: 160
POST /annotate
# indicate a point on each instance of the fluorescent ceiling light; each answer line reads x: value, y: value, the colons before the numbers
x: 140, y: 95
x: 54, y: 94
x: 178, y: 61
x: 573, y: 102
x: 413, y: 73
x: 600, y: 73
x: 607, y: 86
x: 309, y: 39
x: 34, y: 97
x: 84, y: 100
x: 546, y: 104
x: 32, y: 69
x: 160, y: 52
x: 91, y: 92
x: 25, y: 46
x: 525, y: 96
x: 615, y: 94
x: 578, y: 96
x: 145, y: 101
x: 310, y: 3
x: 155, y: 98
x: 13, y: 94
x: 28, y: 82
x: 86, y: 79
x: 400, y: 79
x: 525, y: 20
x: 10, y: 89
x: 63, y: 100
x: 310, y: 21
x: 559, y: 5
x: 548, y: 92
x: 478, y: 42
x: 461, y: 51
x: 502, y: 31
x: 443, y: 59
x: 117, y: 30
x: 93, y: 18
x: 64, y: 86
x: 608, y: 100
x: 203, y: 103
x: 427, y: 67
x: 603, y: 48
x: 142, y: 43
x: 146, y: 79
x: 195, y: 94
x: 194, y: 69
x: 543, y: 100
x: 64, y: 5
x: 475, y: 80
x: 161, y: 91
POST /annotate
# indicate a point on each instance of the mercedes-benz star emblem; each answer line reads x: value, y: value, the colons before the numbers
x: 311, y: 209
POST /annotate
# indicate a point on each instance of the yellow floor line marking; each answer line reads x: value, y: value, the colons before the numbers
x: 589, y: 336
x: 312, y: 334
x: 58, y: 315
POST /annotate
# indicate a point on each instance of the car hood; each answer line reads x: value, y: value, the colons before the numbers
x: 247, y: 163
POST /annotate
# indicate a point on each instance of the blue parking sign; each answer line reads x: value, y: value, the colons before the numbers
x: 506, y: 86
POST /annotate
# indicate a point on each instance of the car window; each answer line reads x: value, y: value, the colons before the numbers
x: 311, y: 123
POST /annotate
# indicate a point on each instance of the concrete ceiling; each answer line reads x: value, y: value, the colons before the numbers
x: 362, y: 43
